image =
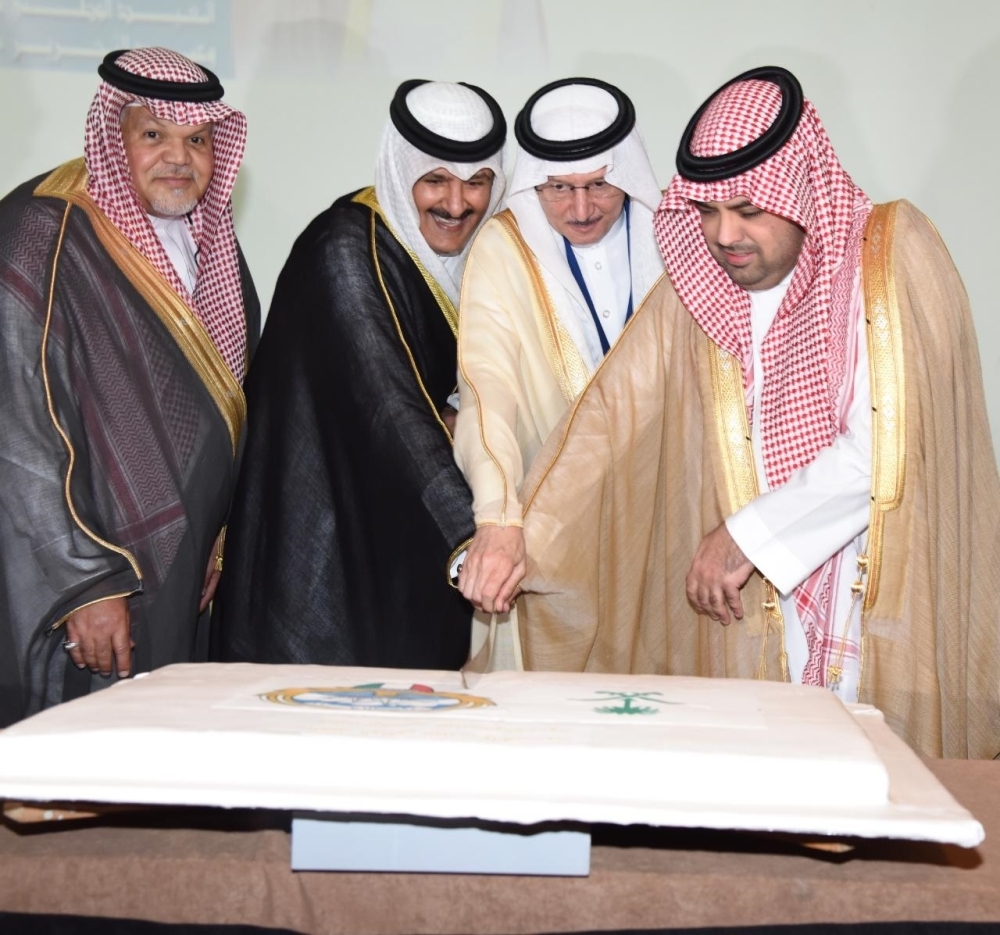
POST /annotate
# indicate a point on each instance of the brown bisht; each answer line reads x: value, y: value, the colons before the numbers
x: 656, y: 453
x: 118, y: 442
x: 349, y: 502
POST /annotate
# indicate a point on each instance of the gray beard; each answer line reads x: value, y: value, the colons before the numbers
x: 172, y: 207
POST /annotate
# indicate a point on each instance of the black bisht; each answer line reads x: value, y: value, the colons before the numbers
x: 153, y: 467
x: 349, y: 501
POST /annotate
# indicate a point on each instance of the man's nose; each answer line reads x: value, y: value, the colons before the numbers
x: 176, y: 153
x: 582, y: 203
x: 454, y: 201
x: 730, y: 228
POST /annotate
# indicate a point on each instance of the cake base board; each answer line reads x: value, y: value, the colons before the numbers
x: 80, y: 752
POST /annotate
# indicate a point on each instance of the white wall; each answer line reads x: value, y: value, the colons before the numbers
x: 908, y: 90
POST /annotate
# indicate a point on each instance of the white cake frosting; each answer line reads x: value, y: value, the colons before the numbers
x: 522, y: 747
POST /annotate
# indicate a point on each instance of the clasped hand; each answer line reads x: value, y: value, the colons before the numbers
x: 493, y: 568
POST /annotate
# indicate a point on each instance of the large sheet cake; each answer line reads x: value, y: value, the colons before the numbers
x: 513, y: 747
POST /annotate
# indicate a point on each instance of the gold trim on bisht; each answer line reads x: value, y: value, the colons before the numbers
x: 69, y: 183
x: 110, y: 597
x: 399, y: 330
x: 888, y: 382
x: 64, y: 435
x: 740, y: 470
x: 733, y: 430
x: 564, y: 358
x: 367, y: 198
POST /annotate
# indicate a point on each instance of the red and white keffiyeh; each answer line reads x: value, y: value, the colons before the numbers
x: 805, y: 395
x: 803, y: 352
x: 218, y: 295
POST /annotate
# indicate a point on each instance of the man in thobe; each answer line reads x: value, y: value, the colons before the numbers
x: 550, y: 285
x: 127, y: 317
x: 350, y: 502
x: 821, y: 473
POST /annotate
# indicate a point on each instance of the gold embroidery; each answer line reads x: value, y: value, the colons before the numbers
x: 71, y: 452
x: 835, y: 671
x: 399, y: 332
x: 68, y: 183
x: 367, y: 198
x: 220, y: 549
x: 888, y: 383
x: 482, y: 441
x: 773, y: 618
x: 740, y: 470
x: 733, y: 430
x: 567, y: 365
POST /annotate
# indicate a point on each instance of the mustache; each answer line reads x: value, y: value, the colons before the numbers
x: 445, y: 216
x: 178, y: 173
x: 574, y: 223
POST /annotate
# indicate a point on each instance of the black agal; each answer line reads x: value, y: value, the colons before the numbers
x: 725, y: 166
x: 195, y: 92
x: 571, y: 150
x: 413, y: 131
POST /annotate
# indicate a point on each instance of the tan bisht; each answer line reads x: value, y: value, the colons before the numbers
x: 513, y: 354
x: 656, y: 453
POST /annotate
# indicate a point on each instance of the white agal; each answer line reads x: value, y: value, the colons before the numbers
x: 520, y: 747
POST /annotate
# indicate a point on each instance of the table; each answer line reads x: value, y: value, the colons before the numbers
x: 211, y: 867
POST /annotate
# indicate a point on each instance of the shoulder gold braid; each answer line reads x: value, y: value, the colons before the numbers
x: 733, y: 430
x: 399, y: 329
x: 888, y: 382
x: 70, y: 451
x: 736, y: 444
x: 367, y: 198
x: 562, y: 354
x: 69, y: 183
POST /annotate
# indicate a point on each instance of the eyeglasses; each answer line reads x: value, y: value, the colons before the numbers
x: 598, y: 190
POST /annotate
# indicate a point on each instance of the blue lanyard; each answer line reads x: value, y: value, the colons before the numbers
x: 581, y: 282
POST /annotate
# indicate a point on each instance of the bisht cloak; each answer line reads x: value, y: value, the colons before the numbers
x: 350, y: 502
x: 118, y: 442
x: 656, y: 453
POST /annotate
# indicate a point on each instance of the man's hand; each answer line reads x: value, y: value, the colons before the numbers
x: 102, y: 634
x: 493, y: 567
x: 718, y: 572
x: 212, y: 574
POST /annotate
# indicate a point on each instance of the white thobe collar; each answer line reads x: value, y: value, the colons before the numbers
x: 175, y: 235
x: 547, y: 247
x: 764, y: 306
x: 607, y: 272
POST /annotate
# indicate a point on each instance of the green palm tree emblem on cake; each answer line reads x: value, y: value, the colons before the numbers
x: 627, y: 699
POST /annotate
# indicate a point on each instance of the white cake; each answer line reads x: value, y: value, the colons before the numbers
x: 524, y: 747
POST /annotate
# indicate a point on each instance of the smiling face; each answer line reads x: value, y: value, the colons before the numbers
x: 449, y: 209
x: 587, y: 212
x: 757, y: 249
x: 171, y: 165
